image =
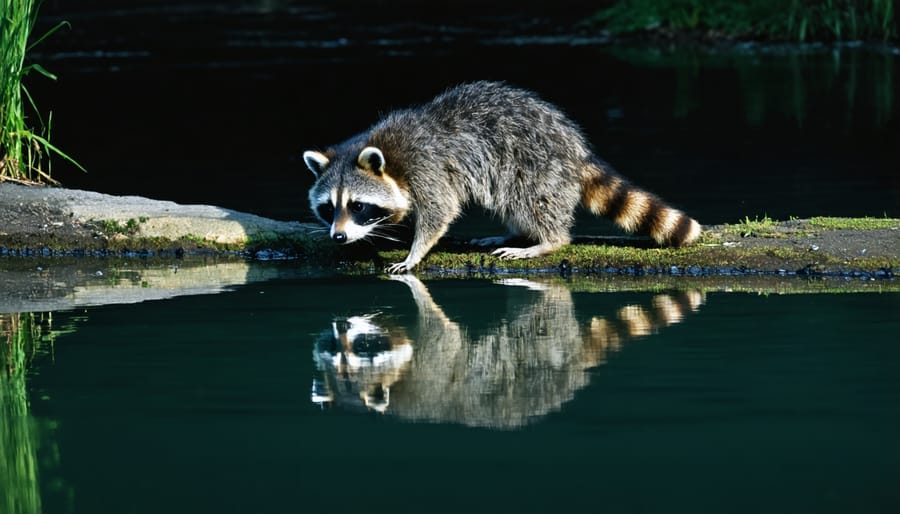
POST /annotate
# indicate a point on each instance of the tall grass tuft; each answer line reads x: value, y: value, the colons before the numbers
x: 784, y: 20
x: 24, y: 151
x: 838, y: 20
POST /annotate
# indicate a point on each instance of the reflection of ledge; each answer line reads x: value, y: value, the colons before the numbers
x: 137, y: 285
x: 760, y: 284
x: 85, y: 282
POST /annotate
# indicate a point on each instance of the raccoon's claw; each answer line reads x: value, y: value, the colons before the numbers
x: 525, y: 253
x: 397, y: 267
x: 512, y: 253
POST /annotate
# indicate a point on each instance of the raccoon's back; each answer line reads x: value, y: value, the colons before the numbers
x: 514, y: 123
x: 496, y: 136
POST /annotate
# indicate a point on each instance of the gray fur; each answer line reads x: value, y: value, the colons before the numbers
x: 484, y: 143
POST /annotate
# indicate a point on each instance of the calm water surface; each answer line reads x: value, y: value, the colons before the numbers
x: 376, y: 395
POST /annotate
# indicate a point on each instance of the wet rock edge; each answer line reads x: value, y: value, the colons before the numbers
x: 39, y: 225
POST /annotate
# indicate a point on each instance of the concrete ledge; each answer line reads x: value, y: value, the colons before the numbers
x: 66, y: 219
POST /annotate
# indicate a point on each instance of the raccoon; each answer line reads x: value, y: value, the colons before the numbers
x: 486, y: 143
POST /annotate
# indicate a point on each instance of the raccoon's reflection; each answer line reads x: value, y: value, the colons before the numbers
x: 529, y: 365
x: 361, y: 361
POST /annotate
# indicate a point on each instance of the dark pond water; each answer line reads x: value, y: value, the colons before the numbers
x: 373, y: 395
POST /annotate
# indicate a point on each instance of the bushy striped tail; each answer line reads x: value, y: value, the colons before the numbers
x: 606, y: 193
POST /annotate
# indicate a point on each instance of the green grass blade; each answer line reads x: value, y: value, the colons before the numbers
x: 40, y: 69
x: 56, y: 150
x: 32, y: 104
x: 47, y: 34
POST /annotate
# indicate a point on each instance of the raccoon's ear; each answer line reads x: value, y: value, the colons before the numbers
x: 315, y: 161
x: 371, y: 159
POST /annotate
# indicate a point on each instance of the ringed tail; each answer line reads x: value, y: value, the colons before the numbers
x: 608, y: 194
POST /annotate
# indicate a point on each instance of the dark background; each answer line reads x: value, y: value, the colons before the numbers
x: 207, y: 102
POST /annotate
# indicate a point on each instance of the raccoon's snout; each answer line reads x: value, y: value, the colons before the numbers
x: 345, y: 232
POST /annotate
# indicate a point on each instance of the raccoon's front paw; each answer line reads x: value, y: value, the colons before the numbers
x: 397, y: 267
x: 404, y: 267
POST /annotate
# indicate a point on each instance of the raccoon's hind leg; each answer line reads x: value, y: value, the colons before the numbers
x: 545, y: 220
x: 551, y: 237
x: 543, y: 215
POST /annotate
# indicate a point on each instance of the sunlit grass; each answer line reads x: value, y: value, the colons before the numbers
x: 756, y: 227
x: 766, y: 227
x: 24, y: 150
x: 855, y: 223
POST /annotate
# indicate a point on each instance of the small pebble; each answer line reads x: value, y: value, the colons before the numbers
x: 565, y: 268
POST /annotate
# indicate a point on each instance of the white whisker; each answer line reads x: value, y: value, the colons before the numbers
x: 382, y: 236
x: 378, y: 230
x: 379, y: 220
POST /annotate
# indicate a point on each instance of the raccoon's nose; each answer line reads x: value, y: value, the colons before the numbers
x: 340, y: 237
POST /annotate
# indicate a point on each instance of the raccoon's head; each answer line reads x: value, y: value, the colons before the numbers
x: 354, y: 194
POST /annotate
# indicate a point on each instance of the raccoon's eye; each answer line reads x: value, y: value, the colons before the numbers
x: 367, y: 213
x: 326, y: 211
